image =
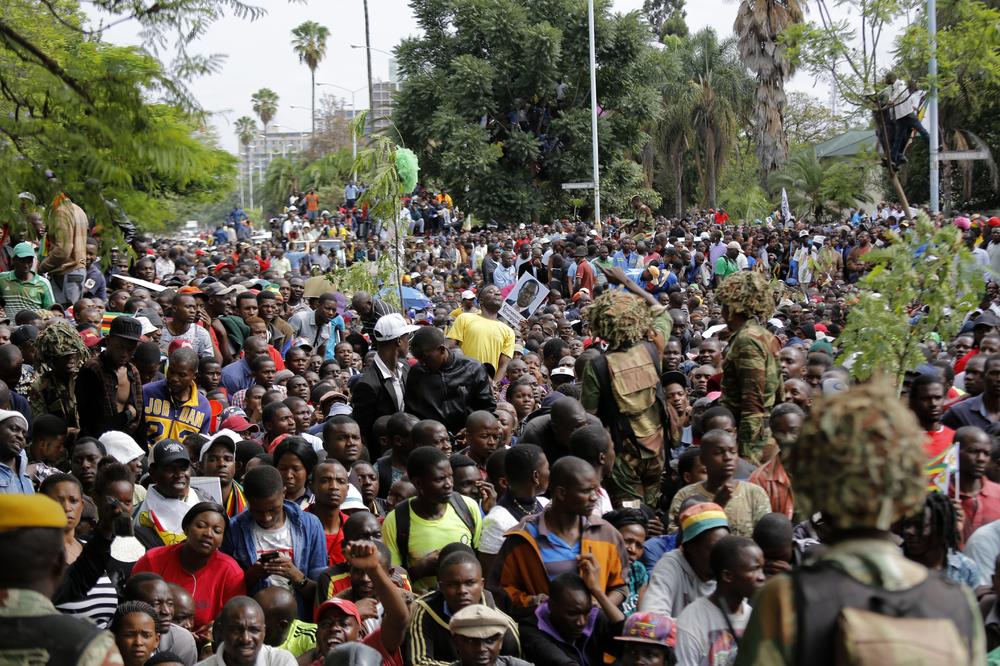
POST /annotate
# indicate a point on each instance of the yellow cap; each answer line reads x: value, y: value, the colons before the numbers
x: 17, y: 511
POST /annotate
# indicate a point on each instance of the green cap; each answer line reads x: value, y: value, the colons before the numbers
x: 24, y: 249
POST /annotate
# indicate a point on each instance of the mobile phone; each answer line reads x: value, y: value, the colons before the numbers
x: 269, y: 556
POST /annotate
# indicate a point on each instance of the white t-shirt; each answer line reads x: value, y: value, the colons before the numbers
x: 278, y: 540
x: 495, y: 525
x: 673, y: 586
x: 703, y: 635
x: 199, y: 338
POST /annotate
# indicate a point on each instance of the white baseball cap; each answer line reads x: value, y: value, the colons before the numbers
x: 121, y: 446
x: 392, y: 326
x: 468, y: 295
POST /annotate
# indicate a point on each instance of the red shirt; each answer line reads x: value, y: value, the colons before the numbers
x: 938, y: 442
x: 334, y: 542
x: 585, y: 278
x: 211, y: 587
x: 981, y: 508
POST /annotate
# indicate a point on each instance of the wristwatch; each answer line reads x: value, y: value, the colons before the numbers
x: 298, y: 585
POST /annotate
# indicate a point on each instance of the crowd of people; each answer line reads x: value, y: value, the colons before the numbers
x: 211, y: 455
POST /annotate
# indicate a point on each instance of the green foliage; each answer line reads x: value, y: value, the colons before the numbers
x: 928, y: 267
x: 809, y: 121
x: 821, y: 189
x: 481, y: 62
x: 327, y: 175
x: 309, y: 43
x: 265, y: 105
x: 96, y: 116
x: 666, y: 18
x: 968, y: 83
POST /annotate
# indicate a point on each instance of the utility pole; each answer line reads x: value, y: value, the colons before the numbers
x: 932, y: 107
x: 593, y: 116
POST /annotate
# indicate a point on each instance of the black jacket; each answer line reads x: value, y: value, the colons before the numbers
x: 371, y: 397
x: 542, y: 432
x: 460, y: 387
x: 540, y: 646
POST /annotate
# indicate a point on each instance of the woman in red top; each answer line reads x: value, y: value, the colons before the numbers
x: 212, y: 578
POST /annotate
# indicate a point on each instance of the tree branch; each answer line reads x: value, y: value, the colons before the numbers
x: 14, y: 38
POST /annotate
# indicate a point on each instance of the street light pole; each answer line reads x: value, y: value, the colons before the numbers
x: 932, y: 107
x: 593, y: 115
x: 354, y: 111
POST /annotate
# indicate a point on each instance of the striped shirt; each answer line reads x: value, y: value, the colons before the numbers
x: 99, y: 604
x: 35, y: 293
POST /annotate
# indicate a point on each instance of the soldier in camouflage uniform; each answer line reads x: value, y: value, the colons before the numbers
x: 751, y: 371
x: 859, y: 462
x: 60, y: 352
x: 623, y: 388
x: 32, y: 562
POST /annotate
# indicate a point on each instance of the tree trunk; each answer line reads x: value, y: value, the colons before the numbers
x: 676, y: 164
x: 368, y: 52
x: 648, y: 163
x: 710, y: 173
x: 312, y: 81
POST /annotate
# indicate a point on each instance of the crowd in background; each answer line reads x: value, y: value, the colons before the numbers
x: 209, y: 453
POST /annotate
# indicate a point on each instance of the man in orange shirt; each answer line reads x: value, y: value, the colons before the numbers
x: 312, y: 205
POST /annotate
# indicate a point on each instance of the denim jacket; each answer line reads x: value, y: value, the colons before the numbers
x: 308, y: 540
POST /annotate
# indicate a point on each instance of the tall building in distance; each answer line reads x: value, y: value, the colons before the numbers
x: 258, y: 155
x: 384, y: 93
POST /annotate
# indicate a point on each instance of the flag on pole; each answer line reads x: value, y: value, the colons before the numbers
x: 786, y: 214
x: 942, y: 471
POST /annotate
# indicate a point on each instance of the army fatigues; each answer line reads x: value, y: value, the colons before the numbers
x: 751, y: 385
x: 34, y: 633
x: 770, y: 637
x: 634, y: 381
x: 47, y: 395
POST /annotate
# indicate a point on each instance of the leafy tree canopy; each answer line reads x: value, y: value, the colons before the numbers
x: 97, y: 121
x: 497, y: 97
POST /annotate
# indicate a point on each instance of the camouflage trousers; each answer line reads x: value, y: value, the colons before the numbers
x: 636, y: 475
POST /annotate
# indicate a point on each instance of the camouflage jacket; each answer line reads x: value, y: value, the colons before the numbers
x: 48, y: 396
x: 771, y: 633
x: 751, y: 385
x: 20, y: 604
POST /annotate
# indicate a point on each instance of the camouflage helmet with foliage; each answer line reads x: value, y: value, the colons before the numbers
x: 619, y: 318
x: 859, y: 459
x: 747, y: 293
x: 59, y: 338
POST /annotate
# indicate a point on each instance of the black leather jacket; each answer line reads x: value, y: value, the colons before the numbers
x: 460, y: 387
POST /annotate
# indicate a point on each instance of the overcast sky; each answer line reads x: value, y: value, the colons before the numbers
x: 260, y: 55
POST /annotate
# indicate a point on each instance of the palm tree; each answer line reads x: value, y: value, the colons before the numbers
x: 246, y: 130
x: 309, y: 42
x: 758, y: 27
x: 265, y: 105
x: 821, y: 188
x: 717, y: 93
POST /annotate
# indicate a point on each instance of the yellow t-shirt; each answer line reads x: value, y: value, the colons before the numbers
x: 483, y: 339
x: 426, y: 536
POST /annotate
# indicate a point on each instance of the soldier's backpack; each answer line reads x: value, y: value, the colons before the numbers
x: 844, y: 622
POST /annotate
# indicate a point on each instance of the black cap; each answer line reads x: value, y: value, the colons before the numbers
x: 23, y: 334
x: 674, y: 377
x: 167, y: 451
x: 986, y: 318
x: 126, y: 328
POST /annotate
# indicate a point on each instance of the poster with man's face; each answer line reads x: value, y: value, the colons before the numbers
x: 522, y: 301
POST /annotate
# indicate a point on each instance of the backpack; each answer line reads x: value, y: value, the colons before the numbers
x: 844, y: 622
x: 611, y: 416
x: 402, y: 512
